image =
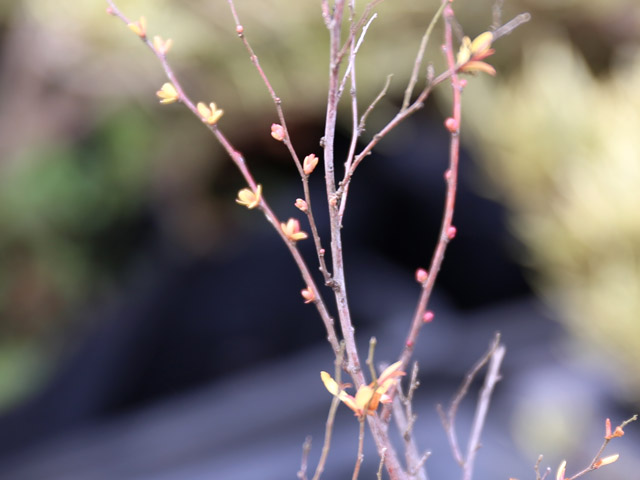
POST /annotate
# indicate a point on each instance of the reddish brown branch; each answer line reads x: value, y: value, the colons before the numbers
x: 240, y: 163
x: 287, y: 141
x: 451, y: 177
x: 596, y: 462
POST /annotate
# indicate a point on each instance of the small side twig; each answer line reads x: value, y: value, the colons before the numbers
x: 493, y: 357
x: 360, y: 455
x: 306, y: 449
x: 331, y: 417
x: 351, y: 74
x: 496, y: 14
x: 379, y: 474
x: 536, y: 468
x: 482, y: 407
x: 372, y: 369
x: 405, y: 420
x: 372, y: 105
x: 277, y: 101
x: 598, y: 461
x: 360, y: 128
x: 419, y: 57
x: 511, y: 25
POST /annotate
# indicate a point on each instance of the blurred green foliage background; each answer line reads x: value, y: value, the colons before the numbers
x: 84, y: 147
x: 560, y: 147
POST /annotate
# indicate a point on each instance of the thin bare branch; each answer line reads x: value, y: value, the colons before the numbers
x: 482, y: 407
x: 511, y: 25
x: 306, y: 448
x: 372, y: 369
x: 378, y: 429
x: 360, y: 455
x: 452, y: 437
x: 359, y: 128
x: 372, y: 105
x: 395, y: 121
x: 496, y: 14
x: 404, y: 420
x: 286, y: 140
x: 240, y: 163
x: 413, y: 384
x: 379, y: 474
x: 404, y: 113
x: 536, y: 468
x: 328, y: 432
x: 356, y: 27
x: 352, y: 55
x: 276, y: 99
x: 419, y: 56
x: 493, y: 357
x: 315, y: 234
x: 351, y: 72
x: 418, y: 469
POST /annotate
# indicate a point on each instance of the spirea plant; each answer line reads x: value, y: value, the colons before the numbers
x: 380, y: 399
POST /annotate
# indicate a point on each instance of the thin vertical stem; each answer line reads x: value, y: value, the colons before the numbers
x: 359, y: 458
x: 451, y: 177
x: 328, y: 432
x: 482, y: 407
x: 338, y: 283
x: 378, y: 429
x: 287, y: 141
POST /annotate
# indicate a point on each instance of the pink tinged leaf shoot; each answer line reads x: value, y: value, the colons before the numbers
x: 277, y: 132
x: 139, y: 27
x: 606, y: 460
x: 451, y: 124
x: 368, y: 397
x: 162, y: 46
x: 421, y: 275
x: 472, y: 52
x: 308, y: 294
x: 301, y: 205
x: 309, y: 164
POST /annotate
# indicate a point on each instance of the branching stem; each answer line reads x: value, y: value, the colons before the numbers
x: 493, y: 357
x: 240, y: 163
x: 277, y: 101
